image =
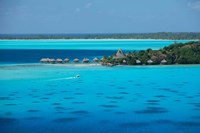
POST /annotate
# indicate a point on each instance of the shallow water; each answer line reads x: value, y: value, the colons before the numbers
x: 44, y: 98
x: 87, y: 44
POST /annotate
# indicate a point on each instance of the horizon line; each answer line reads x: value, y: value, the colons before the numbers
x: 89, y: 33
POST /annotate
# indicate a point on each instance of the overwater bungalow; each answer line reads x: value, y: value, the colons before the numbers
x: 96, y: 59
x: 76, y: 60
x: 44, y: 60
x: 60, y: 61
x: 150, y: 61
x: 66, y: 60
x: 52, y: 61
x: 86, y: 60
x: 138, y: 62
x: 163, y: 61
x: 119, y: 55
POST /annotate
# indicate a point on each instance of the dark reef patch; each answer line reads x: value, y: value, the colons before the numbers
x: 160, y: 96
x: 34, y: 118
x: 188, y: 124
x: 7, y: 121
x: 10, y: 104
x: 169, y: 90
x: 64, y: 91
x: 115, y: 97
x: 59, y: 108
x: 123, y: 93
x: 112, y: 85
x: 68, y: 98
x: 35, y: 102
x: 44, y: 98
x: 50, y: 94
x: 195, y: 117
x: 152, y: 110
x: 113, y: 102
x: 153, y: 101
x: 78, y: 93
x: 33, y: 110
x: 66, y: 120
x: 12, y: 94
x: 78, y: 102
x: 163, y: 121
x: 109, y: 106
x: 196, y: 109
x: 5, y: 98
x: 80, y: 112
x: 121, y: 88
x: 134, y: 125
x: 99, y: 93
x: 56, y: 104
x: 35, y: 96
x: 8, y: 114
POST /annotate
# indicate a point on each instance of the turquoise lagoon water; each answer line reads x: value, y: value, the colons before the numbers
x: 87, y: 44
x: 47, y: 98
x: 38, y: 98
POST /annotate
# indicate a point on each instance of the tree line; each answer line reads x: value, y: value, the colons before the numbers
x: 160, y: 35
x: 179, y: 53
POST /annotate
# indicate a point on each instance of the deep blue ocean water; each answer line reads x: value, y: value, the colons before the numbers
x: 38, y: 98
x: 33, y: 56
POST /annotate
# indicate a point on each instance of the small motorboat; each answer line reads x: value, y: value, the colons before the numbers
x: 78, y: 76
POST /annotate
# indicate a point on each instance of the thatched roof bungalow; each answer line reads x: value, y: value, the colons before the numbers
x: 124, y: 62
x: 163, y: 61
x: 76, y: 60
x: 44, y: 60
x: 150, y: 61
x: 96, y: 59
x: 66, y: 60
x: 138, y: 62
x: 86, y: 60
x: 60, y: 61
x: 110, y: 64
x: 119, y: 55
x: 52, y: 61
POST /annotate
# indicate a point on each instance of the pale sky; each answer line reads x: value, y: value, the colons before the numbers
x: 99, y: 16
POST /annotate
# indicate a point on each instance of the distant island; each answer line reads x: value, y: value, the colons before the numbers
x: 178, y: 53
x: 159, y: 35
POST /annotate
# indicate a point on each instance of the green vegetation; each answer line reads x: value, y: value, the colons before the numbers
x: 160, y: 35
x: 188, y: 53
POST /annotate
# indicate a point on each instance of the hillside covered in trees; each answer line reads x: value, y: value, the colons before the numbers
x: 160, y: 35
x: 188, y: 53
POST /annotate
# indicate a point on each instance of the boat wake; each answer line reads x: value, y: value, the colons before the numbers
x: 69, y: 78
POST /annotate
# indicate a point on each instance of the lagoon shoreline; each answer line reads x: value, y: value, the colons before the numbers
x: 108, y: 39
x: 93, y: 65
